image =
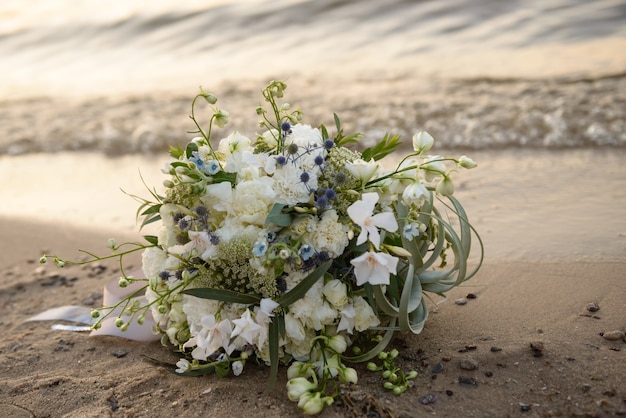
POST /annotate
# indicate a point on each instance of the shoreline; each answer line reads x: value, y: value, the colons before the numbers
x: 535, y: 205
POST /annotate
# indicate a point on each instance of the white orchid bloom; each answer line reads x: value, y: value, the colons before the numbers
x: 361, y: 213
x: 422, y: 142
x: 374, y: 268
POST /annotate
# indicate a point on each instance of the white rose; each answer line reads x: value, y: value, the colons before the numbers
x: 153, y: 261
x: 336, y: 292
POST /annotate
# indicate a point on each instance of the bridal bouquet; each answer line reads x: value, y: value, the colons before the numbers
x: 292, y: 247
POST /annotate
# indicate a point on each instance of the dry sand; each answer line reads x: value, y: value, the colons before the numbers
x: 554, y: 239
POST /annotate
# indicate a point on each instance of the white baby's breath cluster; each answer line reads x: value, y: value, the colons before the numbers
x: 292, y: 247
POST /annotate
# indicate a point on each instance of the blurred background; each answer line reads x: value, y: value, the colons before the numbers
x: 461, y: 69
x: 538, y: 87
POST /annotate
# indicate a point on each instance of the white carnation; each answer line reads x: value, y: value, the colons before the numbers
x: 153, y: 261
x: 330, y: 235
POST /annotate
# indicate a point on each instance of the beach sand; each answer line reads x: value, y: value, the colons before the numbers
x: 554, y: 243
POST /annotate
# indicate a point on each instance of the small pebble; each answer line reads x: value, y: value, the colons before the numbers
x: 489, y: 374
x: 428, y: 399
x: 437, y: 368
x: 461, y: 301
x: 471, y: 296
x: 495, y: 349
x: 537, y: 348
x: 593, y: 307
x: 586, y: 387
x: 446, y: 358
x: 468, y: 364
x: 524, y: 407
x: 120, y: 353
x: 470, y: 381
x: 613, y: 335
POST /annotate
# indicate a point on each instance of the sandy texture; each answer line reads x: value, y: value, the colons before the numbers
x: 572, y: 370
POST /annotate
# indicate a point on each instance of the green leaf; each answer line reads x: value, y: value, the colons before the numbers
x: 152, y: 239
x: 301, y: 288
x: 223, y: 295
x: 277, y: 217
x: 222, y: 176
x: 152, y: 209
x: 383, y: 148
x: 176, y: 152
x: 274, y: 330
x: 222, y: 369
x: 191, y: 147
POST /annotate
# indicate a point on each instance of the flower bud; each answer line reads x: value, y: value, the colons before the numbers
x: 111, y: 243
x: 398, y: 390
x: 445, y: 187
x: 412, y: 375
x: 60, y: 263
x: 123, y: 282
x: 210, y: 98
x: 221, y: 118
x: 372, y: 367
x: 422, y: 142
x: 119, y: 322
x: 124, y: 327
x: 348, y: 375
x: 466, y: 162
x: 43, y: 259
x: 168, y: 184
x: 95, y: 313
x: 299, y: 386
x: 414, y: 194
x: 313, y: 404
x: 337, y: 343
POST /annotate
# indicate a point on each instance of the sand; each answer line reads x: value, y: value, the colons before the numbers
x: 554, y: 239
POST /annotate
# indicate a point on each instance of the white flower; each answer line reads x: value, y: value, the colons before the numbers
x: 361, y: 213
x: 348, y: 375
x: 330, y: 235
x: 347, y: 319
x: 246, y: 328
x: 374, y: 268
x: 414, y: 194
x: 153, y: 261
x: 434, y: 167
x: 362, y: 170
x: 364, y: 317
x: 294, y: 328
x: 337, y: 343
x: 298, y: 386
x: 445, y: 187
x: 182, y: 365
x: 422, y: 142
x: 313, y: 403
x: 199, y: 246
x: 336, y: 292
x: 233, y: 147
x: 263, y: 314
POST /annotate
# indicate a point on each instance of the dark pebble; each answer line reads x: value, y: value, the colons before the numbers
x: 449, y: 392
x: 586, y: 387
x: 593, y: 307
x: 468, y: 381
x: 437, y: 368
x: 495, y: 349
x: 610, y: 392
x: 468, y: 364
x: 537, y: 348
x: 489, y: 374
x: 471, y: 296
x: 446, y: 358
x: 120, y: 353
x: 524, y: 407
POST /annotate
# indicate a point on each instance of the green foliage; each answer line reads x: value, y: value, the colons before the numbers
x: 384, y: 147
